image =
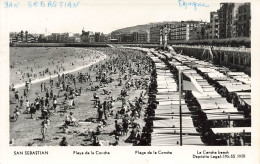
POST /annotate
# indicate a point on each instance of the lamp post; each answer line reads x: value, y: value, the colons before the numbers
x: 161, y: 36
x: 180, y: 107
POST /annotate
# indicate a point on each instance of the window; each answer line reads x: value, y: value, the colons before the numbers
x: 231, y: 59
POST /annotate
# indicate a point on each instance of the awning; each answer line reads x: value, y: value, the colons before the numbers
x: 172, y: 110
x: 167, y: 90
x: 221, y: 111
x: 235, y: 73
x: 231, y: 130
x: 243, y: 93
x: 167, y: 96
x: 225, y: 116
x: 214, y: 103
x: 175, y: 131
x: 236, y: 88
x: 168, y: 103
x: 174, y: 140
x: 165, y: 107
x: 186, y: 122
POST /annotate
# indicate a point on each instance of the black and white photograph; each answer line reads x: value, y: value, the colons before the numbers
x: 106, y: 73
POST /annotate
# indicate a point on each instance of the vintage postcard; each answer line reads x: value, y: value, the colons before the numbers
x: 133, y: 81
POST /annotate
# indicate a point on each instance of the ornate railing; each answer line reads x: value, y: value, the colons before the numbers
x: 239, y: 49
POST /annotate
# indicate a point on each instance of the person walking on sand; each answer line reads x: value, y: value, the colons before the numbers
x: 27, y: 106
x: 54, y: 104
x: 44, y: 125
x: 21, y: 101
x: 41, y: 87
x: 100, y: 112
x: 16, y: 113
x: 16, y: 97
x: 105, y: 109
x: 25, y: 93
x: 32, y: 110
x: 30, y: 80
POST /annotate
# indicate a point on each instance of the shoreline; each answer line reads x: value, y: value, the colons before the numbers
x: 104, y: 56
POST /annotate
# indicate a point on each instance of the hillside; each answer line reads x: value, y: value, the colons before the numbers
x: 144, y: 27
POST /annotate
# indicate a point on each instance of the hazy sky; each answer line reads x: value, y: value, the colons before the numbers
x: 102, y: 15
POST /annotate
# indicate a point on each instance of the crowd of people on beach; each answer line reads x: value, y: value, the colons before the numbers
x: 120, y: 91
x: 32, y: 68
x: 129, y: 70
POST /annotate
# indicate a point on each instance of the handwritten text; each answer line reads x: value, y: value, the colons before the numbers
x: 182, y: 3
x: 48, y: 4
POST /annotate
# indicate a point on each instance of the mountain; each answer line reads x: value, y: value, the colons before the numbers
x: 144, y: 27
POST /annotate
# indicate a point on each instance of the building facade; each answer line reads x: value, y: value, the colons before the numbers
x: 127, y: 38
x: 97, y: 36
x: 214, y: 23
x: 115, y: 37
x: 155, y: 34
x: 185, y: 30
x: 143, y: 37
x: 64, y: 37
x: 57, y: 37
x: 91, y: 37
x: 135, y: 37
x: 23, y: 37
x: 244, y: 20
x: 222, y: 20
x: 234, y: 20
